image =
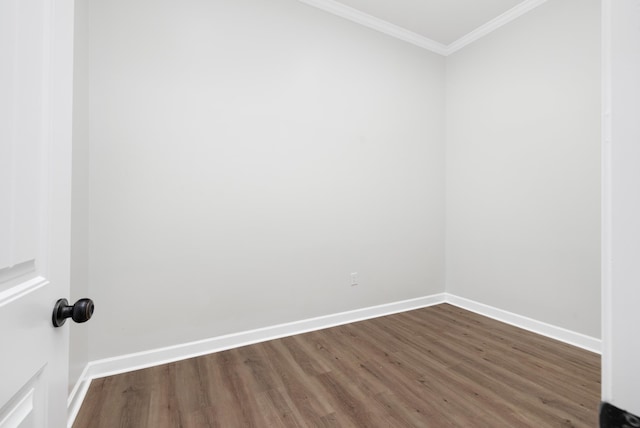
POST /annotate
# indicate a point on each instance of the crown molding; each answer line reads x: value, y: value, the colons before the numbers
x: 347, y: 12
x: 494, y: 24
x: 374, y: 23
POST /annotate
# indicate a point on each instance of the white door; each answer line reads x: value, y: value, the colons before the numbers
x: 621, y: 206
x: 36, y: 58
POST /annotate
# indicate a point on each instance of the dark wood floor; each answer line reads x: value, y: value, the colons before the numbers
x: 435, y: 367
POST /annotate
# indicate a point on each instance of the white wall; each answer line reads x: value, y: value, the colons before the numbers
x: 246, y: 157
x: 79, y: 339
x: 523, y: 167
x: 621, y: 205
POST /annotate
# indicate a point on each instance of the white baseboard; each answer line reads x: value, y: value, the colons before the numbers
x: 76, y: 397
x: 126, y: 363
x: 571, y: 337
x: 140, y: 360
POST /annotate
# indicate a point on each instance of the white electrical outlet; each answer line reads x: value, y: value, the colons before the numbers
x: 354, y: 278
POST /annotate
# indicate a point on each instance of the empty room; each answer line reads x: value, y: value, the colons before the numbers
x: 319, y: 213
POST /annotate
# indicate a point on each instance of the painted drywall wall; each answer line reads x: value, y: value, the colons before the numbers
x: 79, y: 338
x: 621, y: 205
x: 246, y: 158
x: 523, y: 167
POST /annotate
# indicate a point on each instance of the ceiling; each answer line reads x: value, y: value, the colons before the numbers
x: 443, y: 21
x: 442, y: 26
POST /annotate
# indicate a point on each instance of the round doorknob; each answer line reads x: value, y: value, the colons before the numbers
x: 81, y: 311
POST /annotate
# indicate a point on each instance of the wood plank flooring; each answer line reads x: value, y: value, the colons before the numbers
x: 434, y: 367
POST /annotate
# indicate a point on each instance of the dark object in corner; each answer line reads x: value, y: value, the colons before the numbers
x: 612, y: 417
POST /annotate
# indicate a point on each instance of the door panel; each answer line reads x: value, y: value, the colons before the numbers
x: 21, y: 95
x: 26, y: 408
x: 36, y: 56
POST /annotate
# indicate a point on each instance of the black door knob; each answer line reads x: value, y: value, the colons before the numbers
x: 80, y: 312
